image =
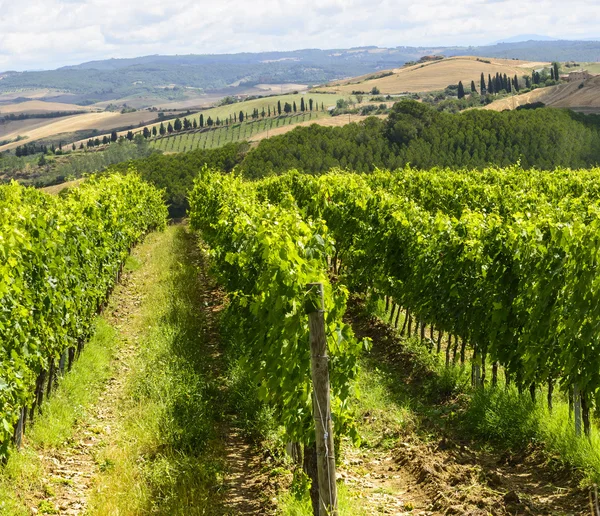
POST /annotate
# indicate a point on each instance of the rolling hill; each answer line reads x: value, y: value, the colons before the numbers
x: 434, y: 75
x: 156, y: 80
x: 581, y: 96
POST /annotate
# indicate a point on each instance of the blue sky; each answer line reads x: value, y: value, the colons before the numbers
x: 45, y: 34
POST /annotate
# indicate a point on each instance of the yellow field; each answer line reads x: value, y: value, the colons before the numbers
x: 103, y: 121
x: 435, y: 75
x: 39, y: 106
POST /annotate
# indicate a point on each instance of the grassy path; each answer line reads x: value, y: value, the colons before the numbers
x: 141, y: 425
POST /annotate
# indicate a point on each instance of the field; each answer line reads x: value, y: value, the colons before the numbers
x: 37, y: 129
x: 39, y: 106
x: 250, y: 131
x: 572, y: 95
x: 222, y: 112
x: 217, y: 137
x: 194, y: 350
x: 433, y: 76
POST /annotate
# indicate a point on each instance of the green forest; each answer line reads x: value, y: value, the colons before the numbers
x: 413, y: 133
x: 420, y: 135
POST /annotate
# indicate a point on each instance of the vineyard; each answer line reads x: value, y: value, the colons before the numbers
x: 493, y: 271
x: 210, y: 138
x: 503, y: 260
x: 61, y: 256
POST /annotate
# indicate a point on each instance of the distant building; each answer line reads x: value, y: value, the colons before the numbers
x: 579, y: 75
x: 430, y: 58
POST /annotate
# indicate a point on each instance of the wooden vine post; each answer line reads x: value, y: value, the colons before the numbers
x: 321, y: 402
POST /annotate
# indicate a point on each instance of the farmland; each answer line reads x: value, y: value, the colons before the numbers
x: 322, y: 102
x: 432, y: 76
x: 98, y: 122
x: 581, y: 96
x: 442, y: 360
x: 204, y: 324
x: 251, y: 131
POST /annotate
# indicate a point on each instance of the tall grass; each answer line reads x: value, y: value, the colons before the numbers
x: 162, y: 460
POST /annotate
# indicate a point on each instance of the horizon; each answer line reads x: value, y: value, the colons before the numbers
x: 50, y: 34
x: 510, y: 40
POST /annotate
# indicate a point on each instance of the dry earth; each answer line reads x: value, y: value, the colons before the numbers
x: 39, y: 106
x: 439, y: 471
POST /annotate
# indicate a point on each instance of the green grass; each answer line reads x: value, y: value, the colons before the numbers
x: 69, y: 404
x: 328, y: 100
x: 349, y: 504
x: 165, y: 458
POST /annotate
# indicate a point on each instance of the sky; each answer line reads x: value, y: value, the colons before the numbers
x: 46, y: 34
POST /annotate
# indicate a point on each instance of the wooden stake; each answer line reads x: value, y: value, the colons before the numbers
x: 406, y: 317
x: 18, y: 438
x: 322, y: 405
x: 577, y: 409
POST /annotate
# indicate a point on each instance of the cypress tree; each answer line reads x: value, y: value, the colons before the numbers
x: 461, y: 90
x: 310, y: 104
x: 241, y: 116
x: 294, y: 106
x: 201, y: 122
x: 113, y: 136
x: 279, y: 107
x: 482, y: 84
x: 556, y: 72
x: 195, y: 124
x: 473, y: 88
x: 302, y: 106
x: 154, y: 131
x: 269, y: 111
x: 322, y: 107
x: 552, y: 73
x: 516, y: 83
x: 490, y: 87
x: 162, y: 129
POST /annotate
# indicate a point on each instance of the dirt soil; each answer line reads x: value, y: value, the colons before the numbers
x: 436, y: 471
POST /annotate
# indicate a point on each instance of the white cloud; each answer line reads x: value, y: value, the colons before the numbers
x: 50, y: 33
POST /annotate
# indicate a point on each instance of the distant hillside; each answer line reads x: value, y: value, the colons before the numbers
x: 560, y: 50
x: 582, y: 96
x: 171, y: 77
x: 434, y: 75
